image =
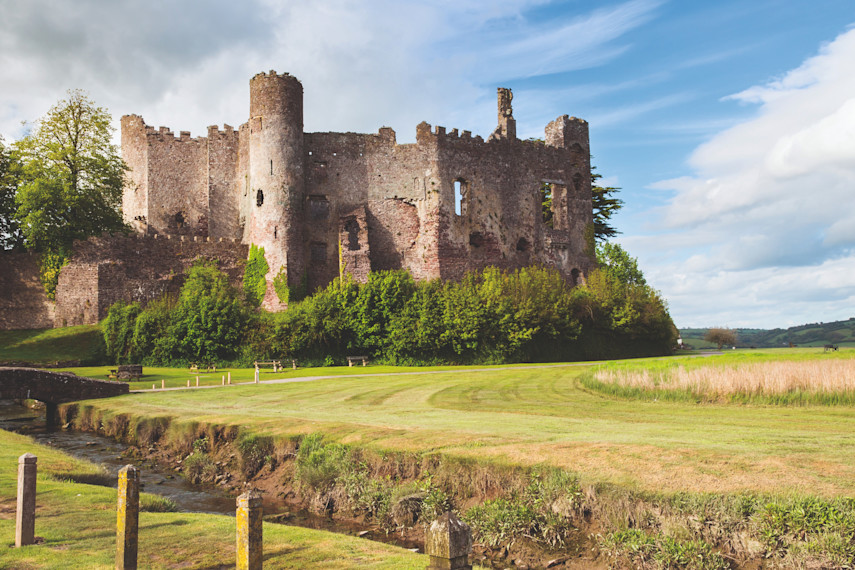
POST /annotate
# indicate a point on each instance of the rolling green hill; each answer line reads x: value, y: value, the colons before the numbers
x: 814, y: 334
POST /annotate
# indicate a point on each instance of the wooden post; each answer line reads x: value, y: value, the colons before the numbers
x: 152, y: 386
x: 188, y: 382
x: 25, y: 519
x: 294, y: 364
x: 197, y: 381
x: 224, y: 380
x: 249, y: 531
x: 127, y: 518
x: 163, y: 383
x: 448, y: 543
x: 256, y: 374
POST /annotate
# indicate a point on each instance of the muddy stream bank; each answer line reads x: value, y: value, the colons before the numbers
x: 163, y: 470
x: 163, y: 480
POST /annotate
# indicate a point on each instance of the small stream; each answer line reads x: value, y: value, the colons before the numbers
x: 158, y: 480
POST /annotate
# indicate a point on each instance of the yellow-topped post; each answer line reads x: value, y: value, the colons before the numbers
x: 127, y: 523
x: 249, y: 532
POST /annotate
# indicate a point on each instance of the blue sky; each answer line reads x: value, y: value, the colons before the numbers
x: 730, y: 125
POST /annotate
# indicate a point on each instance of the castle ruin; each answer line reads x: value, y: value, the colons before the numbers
x: 322, y: 205
x: 325, y: 203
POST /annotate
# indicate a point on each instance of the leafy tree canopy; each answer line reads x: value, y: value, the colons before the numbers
x: 615, y: 261
x: 71, y: 176
x: 721, y: 336
x: 10, y: 232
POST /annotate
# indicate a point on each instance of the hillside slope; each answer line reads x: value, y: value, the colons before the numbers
x: 813, y: 334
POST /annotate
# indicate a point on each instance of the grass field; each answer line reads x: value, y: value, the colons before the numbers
x: 529, y: 415
x: 178, y: 377
x: 84, y: 343
x: 78, y: 522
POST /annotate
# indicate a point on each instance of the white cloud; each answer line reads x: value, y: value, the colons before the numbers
x: 764, y: 231
x: 363, y: 64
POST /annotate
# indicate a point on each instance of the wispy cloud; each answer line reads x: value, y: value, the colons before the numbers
x: 770, y: 201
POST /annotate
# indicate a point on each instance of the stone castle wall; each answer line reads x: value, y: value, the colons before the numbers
x: 138, y: 268
x: 448, y: 204
x: 23, y: 302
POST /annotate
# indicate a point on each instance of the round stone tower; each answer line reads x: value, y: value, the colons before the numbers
x: 276, y: 176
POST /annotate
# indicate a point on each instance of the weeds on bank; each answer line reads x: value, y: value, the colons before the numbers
x: 639, y: 549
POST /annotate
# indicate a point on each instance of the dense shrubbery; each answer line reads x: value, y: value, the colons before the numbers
x: 530, y: 314
x: 208, y: 322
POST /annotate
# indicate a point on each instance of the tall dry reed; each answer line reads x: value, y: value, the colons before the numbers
x: 761, y: 378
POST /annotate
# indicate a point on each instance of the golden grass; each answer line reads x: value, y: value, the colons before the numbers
x: 760, y: 378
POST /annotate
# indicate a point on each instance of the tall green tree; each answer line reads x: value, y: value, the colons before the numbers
x: 71, y: 178
x: 10, y: 231
x: 605, y: 206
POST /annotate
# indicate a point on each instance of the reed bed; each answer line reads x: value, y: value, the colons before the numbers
x: 811, y: 381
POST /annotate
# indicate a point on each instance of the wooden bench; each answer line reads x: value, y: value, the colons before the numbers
x: 276, y: 364
x: 206, y: 367
x: 113, y: 373
x: 351, y: 359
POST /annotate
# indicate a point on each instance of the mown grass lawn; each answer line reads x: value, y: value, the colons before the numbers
x: 81, y: 343
x: 531, y: 415
x: 178, y: 377
x: 78, y: 525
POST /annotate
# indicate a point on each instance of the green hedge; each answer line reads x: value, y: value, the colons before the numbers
x: 525, y: 315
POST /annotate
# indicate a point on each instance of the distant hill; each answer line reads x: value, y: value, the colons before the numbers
x: 815, y: 334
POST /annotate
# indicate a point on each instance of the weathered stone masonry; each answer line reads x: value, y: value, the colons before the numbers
x: 137, y: 268
x: 321, y: 203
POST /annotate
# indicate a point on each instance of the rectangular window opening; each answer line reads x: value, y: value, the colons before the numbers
x: 458, y: 197
x: 546, y: 204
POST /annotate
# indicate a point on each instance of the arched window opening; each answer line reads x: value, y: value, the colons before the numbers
x: 259, y: 198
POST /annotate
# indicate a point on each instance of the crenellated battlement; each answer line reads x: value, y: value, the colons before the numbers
x: 135, y: 122
x: 272, y: 74
x: 450, y: 203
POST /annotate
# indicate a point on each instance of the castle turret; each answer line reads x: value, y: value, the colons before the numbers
x: 275, y: 180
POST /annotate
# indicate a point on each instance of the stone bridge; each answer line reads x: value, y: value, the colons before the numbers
x: 54, y: 388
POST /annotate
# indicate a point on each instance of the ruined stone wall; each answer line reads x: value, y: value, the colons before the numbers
x: 23, y: 301
x: 177, y: 183
x: 54, y: 387
x: 138, y: 268
x: 135, y: 155
x: 390, y: 181
x: 77, y: 295
x: 293, y: 193
x: 223, y: 185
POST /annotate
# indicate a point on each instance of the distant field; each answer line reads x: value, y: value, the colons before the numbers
x: 527, y: 415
